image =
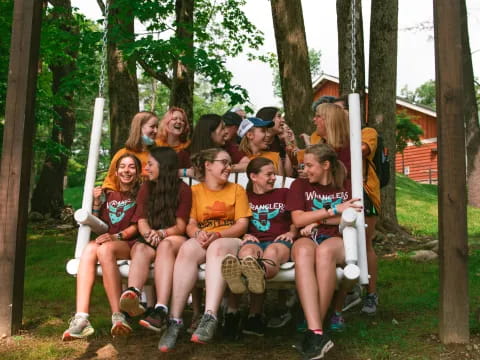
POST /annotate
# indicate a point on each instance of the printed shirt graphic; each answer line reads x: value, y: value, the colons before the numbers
x: 308, y: 197
x: 269, y: 216
x: 118, y: 211
x: 218, y: 210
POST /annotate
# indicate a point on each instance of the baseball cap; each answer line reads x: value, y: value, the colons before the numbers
x: 230, y: 118
x: 248, y: 123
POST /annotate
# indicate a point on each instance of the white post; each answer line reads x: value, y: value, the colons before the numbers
x: 83, y: 217
x: 83, y: 235
x: 357, y: 179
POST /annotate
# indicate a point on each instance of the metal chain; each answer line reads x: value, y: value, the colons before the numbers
x: 353, y: 80
x: 103, y: 65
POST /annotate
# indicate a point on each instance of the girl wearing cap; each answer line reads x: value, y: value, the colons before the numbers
x: 253, y: 132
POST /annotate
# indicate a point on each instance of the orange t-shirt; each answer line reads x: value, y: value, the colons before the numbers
x: 371, y: 184
x: 315, y: 138
x: 177, y: 148
x: 110, y: 181
x: 218, y: 210
x: 271, y: 155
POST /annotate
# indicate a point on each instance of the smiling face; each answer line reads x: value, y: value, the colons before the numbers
x: 264, y: 181
x: 278, y: 121
x: 319, y: 122
x: 152, y: 168
x: 176, y: 125
x: 219, y: 135
x: 314, y: 170
x: 220, y: 168
x: 257, y: 137
x: 126, y: 171
x: 150, y: 128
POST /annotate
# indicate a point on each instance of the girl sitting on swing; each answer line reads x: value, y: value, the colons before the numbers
x: 119, y: 211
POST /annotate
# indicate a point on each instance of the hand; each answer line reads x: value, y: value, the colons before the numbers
x: 307, y: 230
x: 153, y: 238
x: 104, y: 238
x: 97, y: 193
x: 305, y: 138
x: 247, y: 238
x: 210, y: 237
x: 301, y: 173
x: 352, y: 203
x: 288, y: 236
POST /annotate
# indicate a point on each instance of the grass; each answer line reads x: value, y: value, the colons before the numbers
x: 405, y: 327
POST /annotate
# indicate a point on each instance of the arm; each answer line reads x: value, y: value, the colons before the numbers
x: 97, y: 203
x: 241, y: 166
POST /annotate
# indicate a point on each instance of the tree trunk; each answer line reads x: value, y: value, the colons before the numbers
x: 294, y: 64
x: 471, y: 115
x: 181, y: 91
x: 47, y: 197
x: 344, y: 25
x: 382, y: 81
x: 122, y: 77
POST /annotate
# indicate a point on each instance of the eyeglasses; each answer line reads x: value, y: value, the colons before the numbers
x: 225, y: 162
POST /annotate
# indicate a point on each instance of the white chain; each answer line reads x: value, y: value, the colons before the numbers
x: 353, y: 80
x: 103, y: 65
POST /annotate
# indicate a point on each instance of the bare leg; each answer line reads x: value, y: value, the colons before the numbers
x: 197, y: 294
x: 279, y: 254
x: 185, y: 274
x: 214, y: 283
x: 371, y: 255
x: 164, y: 262
x: 108, y: 253
x: 303, y: 253
x: 86, y: 276
x: 142, y: 256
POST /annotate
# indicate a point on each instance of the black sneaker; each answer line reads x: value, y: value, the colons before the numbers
x: 315, y: 346
x: 254, y: 325
x: 231, y: 325
x: 156, y: 319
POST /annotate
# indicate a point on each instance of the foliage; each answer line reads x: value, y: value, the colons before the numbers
x: 423, y: 95
x: 407, y: 131
x: 6, y: 10
x: 314, y: 57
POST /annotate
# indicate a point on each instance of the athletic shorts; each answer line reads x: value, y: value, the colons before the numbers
x: 368, y: 207
x: 264, y: 244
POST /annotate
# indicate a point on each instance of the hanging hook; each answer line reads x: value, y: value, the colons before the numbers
x: 353, y: 70
x: 103, y: 65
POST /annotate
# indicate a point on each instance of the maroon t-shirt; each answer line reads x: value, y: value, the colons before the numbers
x: 184, y: 201
x: 184, y: 159
x: 269, y: 216
x: 118, y: 211
x: 308, y: 197
x: 235, y: 153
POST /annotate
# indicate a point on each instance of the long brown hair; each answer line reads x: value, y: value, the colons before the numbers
x: 254, y: 167
x: 163, y: 191
x: 138, y: 176
x: 325, y: 152
x: 134, y: 141
x: 162, y: 127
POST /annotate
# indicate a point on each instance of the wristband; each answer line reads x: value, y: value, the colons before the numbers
x: 334, y: 208
x: 96, y: 211
x: 196, y: 233
x: 184, y: 172
x: 218, y: 235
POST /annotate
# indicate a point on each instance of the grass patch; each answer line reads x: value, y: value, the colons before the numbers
x: 73, y: 196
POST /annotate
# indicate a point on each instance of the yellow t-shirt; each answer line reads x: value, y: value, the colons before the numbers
x: 315, y: 138
x: 110, y: 181
x: 218, y: 210
x: 177, y: 148
x: 271, y: 155
x: 371, y: 185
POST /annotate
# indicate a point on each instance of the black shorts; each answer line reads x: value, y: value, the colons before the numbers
x: 368, y: 207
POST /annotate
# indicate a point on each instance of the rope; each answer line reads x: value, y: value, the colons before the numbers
x: 353, y: 80
x: 103, y: 65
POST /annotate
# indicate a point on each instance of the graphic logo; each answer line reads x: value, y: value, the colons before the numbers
x: 325, y: 204
x: 117, y: 209
x: 217, y: 211
x: 261, y: 219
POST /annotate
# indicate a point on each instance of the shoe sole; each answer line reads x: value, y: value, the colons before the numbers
x: 70, y: 337
x: 248, y: 332
x: 254, y: 274
x: 120, y: 329
x: 197, y: 340
x: 232, y: 274
x: 165, y: 349
x: 279, y: 325
x: 148, y: 326
x: 130, y: 303
x: 352, y: 304
x: 325, y: 349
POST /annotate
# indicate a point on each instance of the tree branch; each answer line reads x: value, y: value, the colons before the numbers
x: 164, y: 79
x: 102, y: 6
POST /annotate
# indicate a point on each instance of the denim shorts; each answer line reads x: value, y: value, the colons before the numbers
x: 264, y: 244
x: 318, y: 238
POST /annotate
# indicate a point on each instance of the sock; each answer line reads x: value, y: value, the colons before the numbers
x: 82, y: 314
x: 231, y: 310
x: 211, y: 313
x: 317, y: 331
x: 177, y: 320
x: 165, y: 307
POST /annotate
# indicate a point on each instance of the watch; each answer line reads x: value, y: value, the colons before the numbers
x: 119, y: 236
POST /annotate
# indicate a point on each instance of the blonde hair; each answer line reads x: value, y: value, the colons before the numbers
x: 162, y: 127
x: 244, y: 145
x: 325, y: 152
x: 336, y: 124
x: 134, y: 141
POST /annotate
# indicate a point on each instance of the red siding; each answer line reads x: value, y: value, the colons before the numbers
x: 421, y: 161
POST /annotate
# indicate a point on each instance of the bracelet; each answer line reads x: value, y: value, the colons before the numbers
x: 334, y: 208
x: 95, y: 211
x: 163, y: 234
x: 184, y: 172
x: 196, y: 233
x: 218, y: 234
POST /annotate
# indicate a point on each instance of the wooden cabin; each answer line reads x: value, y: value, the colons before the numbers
x: 419, y: 162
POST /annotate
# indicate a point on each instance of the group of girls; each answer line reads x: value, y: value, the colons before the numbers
x: 242, y: 236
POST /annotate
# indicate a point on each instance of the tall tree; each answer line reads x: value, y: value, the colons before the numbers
x: 293, y: 62
x: 471, y: 115
x: 382, y: 82
x: 47, y: 197
x: 348, y: 61
x: 122, y: 75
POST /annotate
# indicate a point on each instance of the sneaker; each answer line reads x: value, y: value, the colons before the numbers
x: 315, y: 346
x: 337, y: 322
x: 302, y: 326
x: 254, y: 272
x: 120, y: 326
x: 370, y: 304
x: 205, y: 330
x: 231, y: 325
x: 194, y: 324
x: 155, y: 320
x: 254, y: 325
x: 280, y: 320
x: 232, y: 273
x: 130, y: 302
x: 169, y: 338
x: 79, y: 328
x: 353, y: 298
